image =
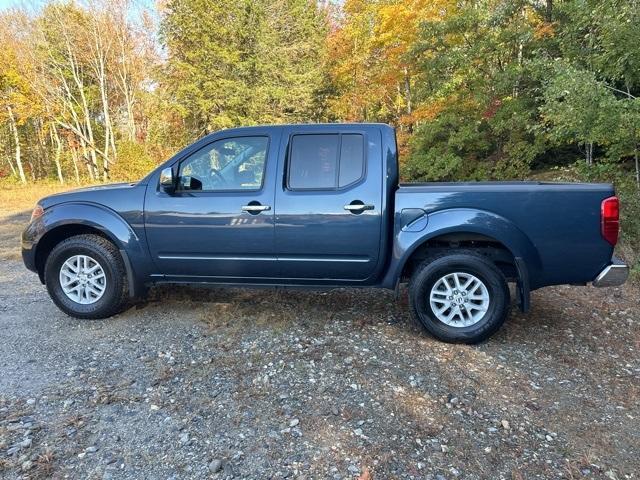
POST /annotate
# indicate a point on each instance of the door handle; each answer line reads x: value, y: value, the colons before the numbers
x: 358, y: 207
x: 255, y: 208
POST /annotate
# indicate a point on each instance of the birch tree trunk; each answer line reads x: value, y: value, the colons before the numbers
x: 88, y: 145
x: 92, y: 168
x: 43, y: 158
x: 127, y: 90
x: 100, y: 51
x: 16, y: 138
x: 10, y: 162
x: 109, y: 141
x: 124, y: 64
x: 56, y: 138
x: 14, y: 172
x: 74, y: 158
x: 589, y: 153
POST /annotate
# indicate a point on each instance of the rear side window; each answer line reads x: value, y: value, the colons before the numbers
x: 325, y: 162
x: 351, y: 159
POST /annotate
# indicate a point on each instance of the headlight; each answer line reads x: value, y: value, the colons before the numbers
x: 38, y: 211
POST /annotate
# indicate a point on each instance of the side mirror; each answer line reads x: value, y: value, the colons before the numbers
x: 167, y: 181
x: 187, y: 182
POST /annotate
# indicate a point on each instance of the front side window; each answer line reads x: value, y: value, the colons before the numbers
x: 325, y: 162
x: 225, y: 165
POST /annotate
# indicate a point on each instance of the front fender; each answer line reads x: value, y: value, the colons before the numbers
x: 462, y: 220
x: 64, y: 216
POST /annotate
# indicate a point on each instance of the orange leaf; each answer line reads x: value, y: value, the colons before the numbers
x: 365, y: 475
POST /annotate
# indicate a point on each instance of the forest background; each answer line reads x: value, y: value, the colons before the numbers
x: 104, y: 90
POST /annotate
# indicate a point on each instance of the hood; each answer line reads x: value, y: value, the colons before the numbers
x: 86, y: 194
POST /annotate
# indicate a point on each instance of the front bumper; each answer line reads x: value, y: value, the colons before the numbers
x: 613, y: 275
x: 30, y: 236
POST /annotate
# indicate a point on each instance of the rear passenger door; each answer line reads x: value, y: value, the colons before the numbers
x: 328, y: 217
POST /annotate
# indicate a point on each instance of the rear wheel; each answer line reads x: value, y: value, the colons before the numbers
x: 86, y: 278
x: 460, y: 297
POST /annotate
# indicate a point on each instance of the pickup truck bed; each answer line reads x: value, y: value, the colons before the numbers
x: 547, y: 223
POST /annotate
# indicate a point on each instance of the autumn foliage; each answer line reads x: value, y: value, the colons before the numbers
x: 105, y: 89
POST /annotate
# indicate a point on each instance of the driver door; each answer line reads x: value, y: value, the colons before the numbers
x: 219, y: 221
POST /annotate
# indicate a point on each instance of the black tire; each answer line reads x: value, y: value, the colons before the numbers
x: 113, y: 299
x: 431, y: 270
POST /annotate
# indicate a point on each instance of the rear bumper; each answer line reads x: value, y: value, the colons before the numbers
x: 613, y: 275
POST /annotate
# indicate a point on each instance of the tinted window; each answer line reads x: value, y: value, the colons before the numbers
x: 230, y: 164
x: 314, y: 161
x: 325, y: 161
x: 351, y: 159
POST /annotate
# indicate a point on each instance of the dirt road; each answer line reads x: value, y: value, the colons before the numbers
x: 291, y: 384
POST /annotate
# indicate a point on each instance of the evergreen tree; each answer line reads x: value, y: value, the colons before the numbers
x: 243, y: 62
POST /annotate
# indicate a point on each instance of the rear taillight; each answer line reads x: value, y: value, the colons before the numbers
x: 610, y: 219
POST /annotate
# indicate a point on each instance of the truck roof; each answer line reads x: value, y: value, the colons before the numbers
x: 304, y: 125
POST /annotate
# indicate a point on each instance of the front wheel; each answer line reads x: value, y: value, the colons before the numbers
x: 86, y: 278
x: 459, y: 298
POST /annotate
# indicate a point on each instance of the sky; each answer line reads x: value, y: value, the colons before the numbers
x: 35, y: 4
x: 31, y: 4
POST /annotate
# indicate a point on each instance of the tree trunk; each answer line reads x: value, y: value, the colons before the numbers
x: 13, y: 169
x: 589, y: 153
x: 99, y: 67
x: 92, y: 167
x: 407, y: 93
x: 126, y: 88
x: 76, y: 170
x: 88, y: 146
x: 635, y: 147
x: 89, y: 150
x: 549, y: 11
x: 125, y: 45
x: 56, y: 138
x: 14, y: 172
x: 32, y: 168
x: 131, y: 123
x: 108, y: 130
x: 635, y: 156
x: 89, y: 168
x: 79, y: 126
x: 16, y: 138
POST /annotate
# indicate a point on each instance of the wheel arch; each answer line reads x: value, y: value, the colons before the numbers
x: 479, y: 230
x: 487, y: 245
x: 67, y: 220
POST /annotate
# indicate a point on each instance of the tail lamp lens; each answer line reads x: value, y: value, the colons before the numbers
x: 610, y: 219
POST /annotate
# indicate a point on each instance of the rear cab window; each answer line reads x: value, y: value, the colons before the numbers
x: 325, y: 161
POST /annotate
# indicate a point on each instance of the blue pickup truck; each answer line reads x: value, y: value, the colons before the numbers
x: 320, y: 206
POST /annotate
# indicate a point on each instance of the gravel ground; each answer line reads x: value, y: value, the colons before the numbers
x: 266, y: 384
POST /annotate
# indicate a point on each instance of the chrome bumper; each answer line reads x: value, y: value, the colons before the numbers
x: 613, y: 275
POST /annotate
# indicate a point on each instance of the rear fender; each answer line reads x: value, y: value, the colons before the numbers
x: 464, y: 220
